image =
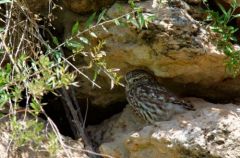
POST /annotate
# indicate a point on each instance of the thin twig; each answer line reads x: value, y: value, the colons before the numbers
x: 76, y: 119
x: 80, y: 72
x: 85, y: 116
x: 21, y: 40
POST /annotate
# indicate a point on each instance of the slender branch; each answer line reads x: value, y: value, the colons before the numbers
x: 76, y: 117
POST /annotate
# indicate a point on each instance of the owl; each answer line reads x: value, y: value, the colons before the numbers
x: 149, y: 100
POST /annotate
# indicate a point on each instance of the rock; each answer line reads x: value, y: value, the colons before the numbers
x: 194, y: 1
x: 177, y: 48
x: 86, y: 6
x: 37, y: 6
x: 211, y: 131
x: 76, y: 149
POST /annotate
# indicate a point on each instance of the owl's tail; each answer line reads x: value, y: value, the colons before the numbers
x: 187, y: 105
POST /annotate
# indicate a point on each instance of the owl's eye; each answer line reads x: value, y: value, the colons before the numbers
x: 137, y: 79
x: 128, y: 78
x: 135, y: 76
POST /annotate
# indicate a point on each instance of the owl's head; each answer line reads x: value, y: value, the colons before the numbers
x: 138, y: 76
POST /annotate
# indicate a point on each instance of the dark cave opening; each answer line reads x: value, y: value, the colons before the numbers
x: 95, y: 114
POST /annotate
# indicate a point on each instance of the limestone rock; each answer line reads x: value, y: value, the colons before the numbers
x: 211, y: 131
x: 177, y: 48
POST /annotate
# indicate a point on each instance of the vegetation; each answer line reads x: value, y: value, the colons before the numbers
x: 220, y: 23
x: 32, y: 66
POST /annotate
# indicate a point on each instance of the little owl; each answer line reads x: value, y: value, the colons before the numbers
x: 149, y: 100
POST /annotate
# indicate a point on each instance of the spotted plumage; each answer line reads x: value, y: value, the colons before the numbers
x: 151, y: 101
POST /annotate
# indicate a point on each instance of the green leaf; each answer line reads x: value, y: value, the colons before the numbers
x: 233, y: 38
x: 134, y: 22
x: 234, y: 4
x: 228, y: 16
x: 132, y: 3
x: 8, y: 68
x: 101, y: 16
x: 141, y: 20
x: 233, y: 30
x: 1, y: 29
x: 75, y: 28
x: 93, y: 34
x: 57, y: 56
x: 84, y: 40
x: 4, y: 97
x: 128, y: 16
x: 236, y: 16
x: 116, y: 21
x: 34, y: 66
x: 55, y: 40
x: 90, y: 20
x: 44, y: 61
x: 73, y: 44
x: 104, y: 28
x: 222, y: 8
x: 96, y: 73
x: 17, y: 93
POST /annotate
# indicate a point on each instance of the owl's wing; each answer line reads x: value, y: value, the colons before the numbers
x: 151, y: 95
x: 157, y: 95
